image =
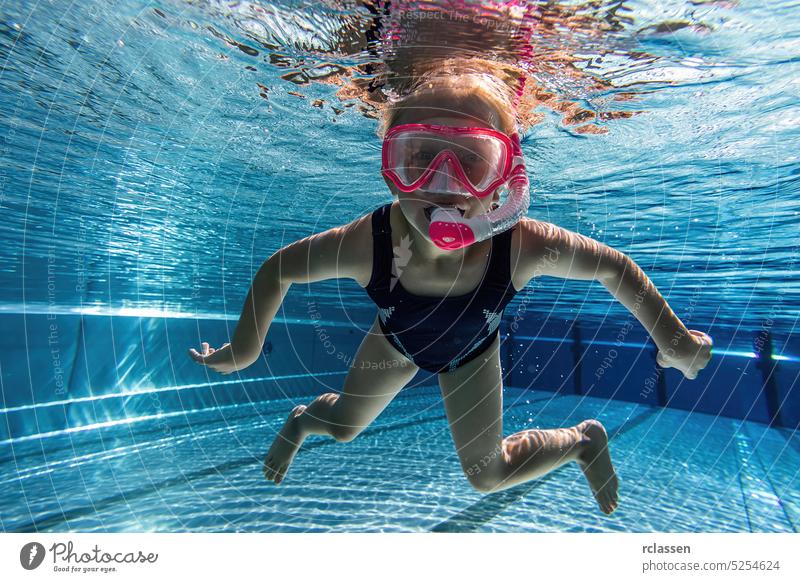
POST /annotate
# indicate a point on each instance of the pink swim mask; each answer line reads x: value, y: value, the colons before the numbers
x: 415, y: 154
x: 458, y: 160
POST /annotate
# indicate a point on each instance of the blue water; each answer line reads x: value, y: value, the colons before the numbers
x: 155, y: 153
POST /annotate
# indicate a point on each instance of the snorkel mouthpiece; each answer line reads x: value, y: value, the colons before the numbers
x: 448, y: 230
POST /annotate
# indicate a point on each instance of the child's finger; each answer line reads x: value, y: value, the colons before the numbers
x: 703, y: 337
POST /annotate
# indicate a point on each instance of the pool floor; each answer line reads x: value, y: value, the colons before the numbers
x: 201, y: 471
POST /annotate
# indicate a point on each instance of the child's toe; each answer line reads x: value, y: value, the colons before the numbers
x: 281, y: 473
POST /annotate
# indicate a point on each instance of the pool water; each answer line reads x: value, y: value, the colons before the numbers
x: 153, y: 155
x: 202, y: 472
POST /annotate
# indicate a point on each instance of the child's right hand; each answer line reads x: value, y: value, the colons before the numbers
x: 220, y: 360
x: 691, y: 355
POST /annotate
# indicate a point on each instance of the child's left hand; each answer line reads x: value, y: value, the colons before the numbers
x: 691, y: 354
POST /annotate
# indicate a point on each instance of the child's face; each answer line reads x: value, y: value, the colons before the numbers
x: 417, y: 205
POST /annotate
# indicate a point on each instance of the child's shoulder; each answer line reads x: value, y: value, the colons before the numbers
x: 364, y: 222
x: 535, y: 244
x: 348, y: 247
x: 532, y: 232
x: 537, y: 237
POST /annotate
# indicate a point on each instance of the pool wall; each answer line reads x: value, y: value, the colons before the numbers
x: 64, y: 371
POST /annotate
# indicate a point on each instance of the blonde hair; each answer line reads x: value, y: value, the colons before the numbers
x: 458, y: 80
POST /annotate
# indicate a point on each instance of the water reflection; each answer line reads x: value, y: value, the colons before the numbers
x: 159, y: 151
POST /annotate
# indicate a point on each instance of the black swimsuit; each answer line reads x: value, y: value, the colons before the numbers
x: 438, y: 334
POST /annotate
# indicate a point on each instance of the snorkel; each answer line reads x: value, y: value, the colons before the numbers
x: 451, y: 231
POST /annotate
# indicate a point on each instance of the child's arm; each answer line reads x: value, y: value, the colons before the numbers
x: 342, y: 252
x: 546, y: 249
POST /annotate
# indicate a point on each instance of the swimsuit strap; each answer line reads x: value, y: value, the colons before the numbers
x: 380, y: 220
x: 382, y: 254
x: 498, y: 272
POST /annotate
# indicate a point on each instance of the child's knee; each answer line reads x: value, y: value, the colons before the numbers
x: 338, y: 427
x: 482, y: 478
x: 344, y: 434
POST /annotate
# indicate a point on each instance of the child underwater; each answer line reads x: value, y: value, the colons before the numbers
x: 450, y: 147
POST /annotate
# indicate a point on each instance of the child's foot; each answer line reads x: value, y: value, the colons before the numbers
x: 283, y: 448
x: 595, y: 462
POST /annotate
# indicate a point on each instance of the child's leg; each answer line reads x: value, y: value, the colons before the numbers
x: 473, y: 399
x: 376, y: 375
